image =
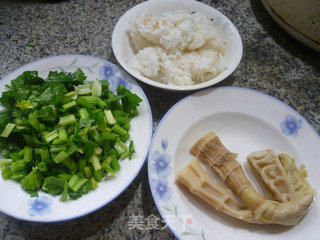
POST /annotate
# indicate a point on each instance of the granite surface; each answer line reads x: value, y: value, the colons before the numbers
x: 273, y: 62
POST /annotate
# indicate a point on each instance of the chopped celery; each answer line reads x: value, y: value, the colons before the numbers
x: 109, y: 116
x: 63, y: 135
x: 7, y: 130
x: 69, y: 105
x: 42, y: 166
x: 58, y: 148
x: 27, y: 154
x: 83, y: 113
x: 64, y: 194
x: 67, y: 120
x: 44, y: 153
x: 119, y: 130
x: 69, y: 163
x: 79, y: 184
x: 94, y: 184
x: 120, y: 147
x: 58, y: 133
x: 6, y: 173
x: 108, y: 136
x: 73, y: 181
x: 4, y: 162
x: 87, y: 172
x: 60, y: 157
x: 50, y: 136
x: 18, y: 166
x: 96, y: 88
x: 97, y: 151
x: 95, y: 162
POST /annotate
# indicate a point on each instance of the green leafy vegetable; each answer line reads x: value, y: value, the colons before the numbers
x: 63, y: 135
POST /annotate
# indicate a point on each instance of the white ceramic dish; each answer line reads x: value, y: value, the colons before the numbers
x: 17, y: 203
x: 298, y: 14
x: 245, y: 120
x: 225, y: 30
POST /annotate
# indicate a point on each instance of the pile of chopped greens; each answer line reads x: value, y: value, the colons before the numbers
x: 63, y: 135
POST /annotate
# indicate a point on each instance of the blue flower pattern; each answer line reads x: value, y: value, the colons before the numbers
x: 291, y: 125
x: 161, y: 189
x: 39, y: 206
x: 111, y: 72
x: 161, y: 166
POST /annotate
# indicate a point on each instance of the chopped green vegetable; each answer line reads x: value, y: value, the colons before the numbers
x: 63, y: 135
x: 8, y: 129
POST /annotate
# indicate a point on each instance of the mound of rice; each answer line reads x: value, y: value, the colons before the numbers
x: 176, y: 48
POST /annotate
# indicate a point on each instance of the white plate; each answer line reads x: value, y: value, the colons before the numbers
x: 246, y: 121
x: 17, y: 203
x: 225, y: 30
x: 299, y: 14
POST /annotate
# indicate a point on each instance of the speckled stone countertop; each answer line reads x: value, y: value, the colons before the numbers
x: 273, y: 62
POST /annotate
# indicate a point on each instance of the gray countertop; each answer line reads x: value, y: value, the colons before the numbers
x: 273, y: 62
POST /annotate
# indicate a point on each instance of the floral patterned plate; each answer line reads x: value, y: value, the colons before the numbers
x: 45, y: 208
x: 246, y: 121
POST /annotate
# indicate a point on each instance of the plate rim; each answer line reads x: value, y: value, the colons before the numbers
x: 186, y: 98
x: 291, y: 30
x: 175, y: 88
x: 145, y: 154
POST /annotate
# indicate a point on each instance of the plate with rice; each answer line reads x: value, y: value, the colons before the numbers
x: 177, y: 45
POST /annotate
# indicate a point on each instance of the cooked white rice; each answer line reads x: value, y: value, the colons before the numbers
x: 176, y: 48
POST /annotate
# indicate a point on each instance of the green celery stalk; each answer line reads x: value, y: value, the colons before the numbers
x: 70, y: 94
x: 69, y: 163
x: 18, y: 166
x: 98, y: 175
x: 42, y: 166
x: 108, y: 136
x: 7, y: 130
x: 4, y: 162
x: 27, y: 154
x: 33, y: 121
x: 58, y: 148
x: 44, y: 153
x: 110, y: 118
x: 124, y: 137
x: 65, y: 176
x: 83, y: 113
x: 96, y: 88
x: 97, y: 151
x: 101, y: 103
x: 64, y: 194
x: 124, y: 155
x: 67, y: 120
x: 60, y: 157
x: 84, y: 89
x: 126, y: 126
x: 6, y: 173
x: 69, y: 105
x: 117, y: 129
x: 87, y: 172
x: 114, y: 163
x: 80, y: 184
x: 50, y: 136
x: 120, y: 147
x: 94, y: 184
x: 73, y: 181
x: 18, y: 175
x: 94, y: 160
x: 63, y: 135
